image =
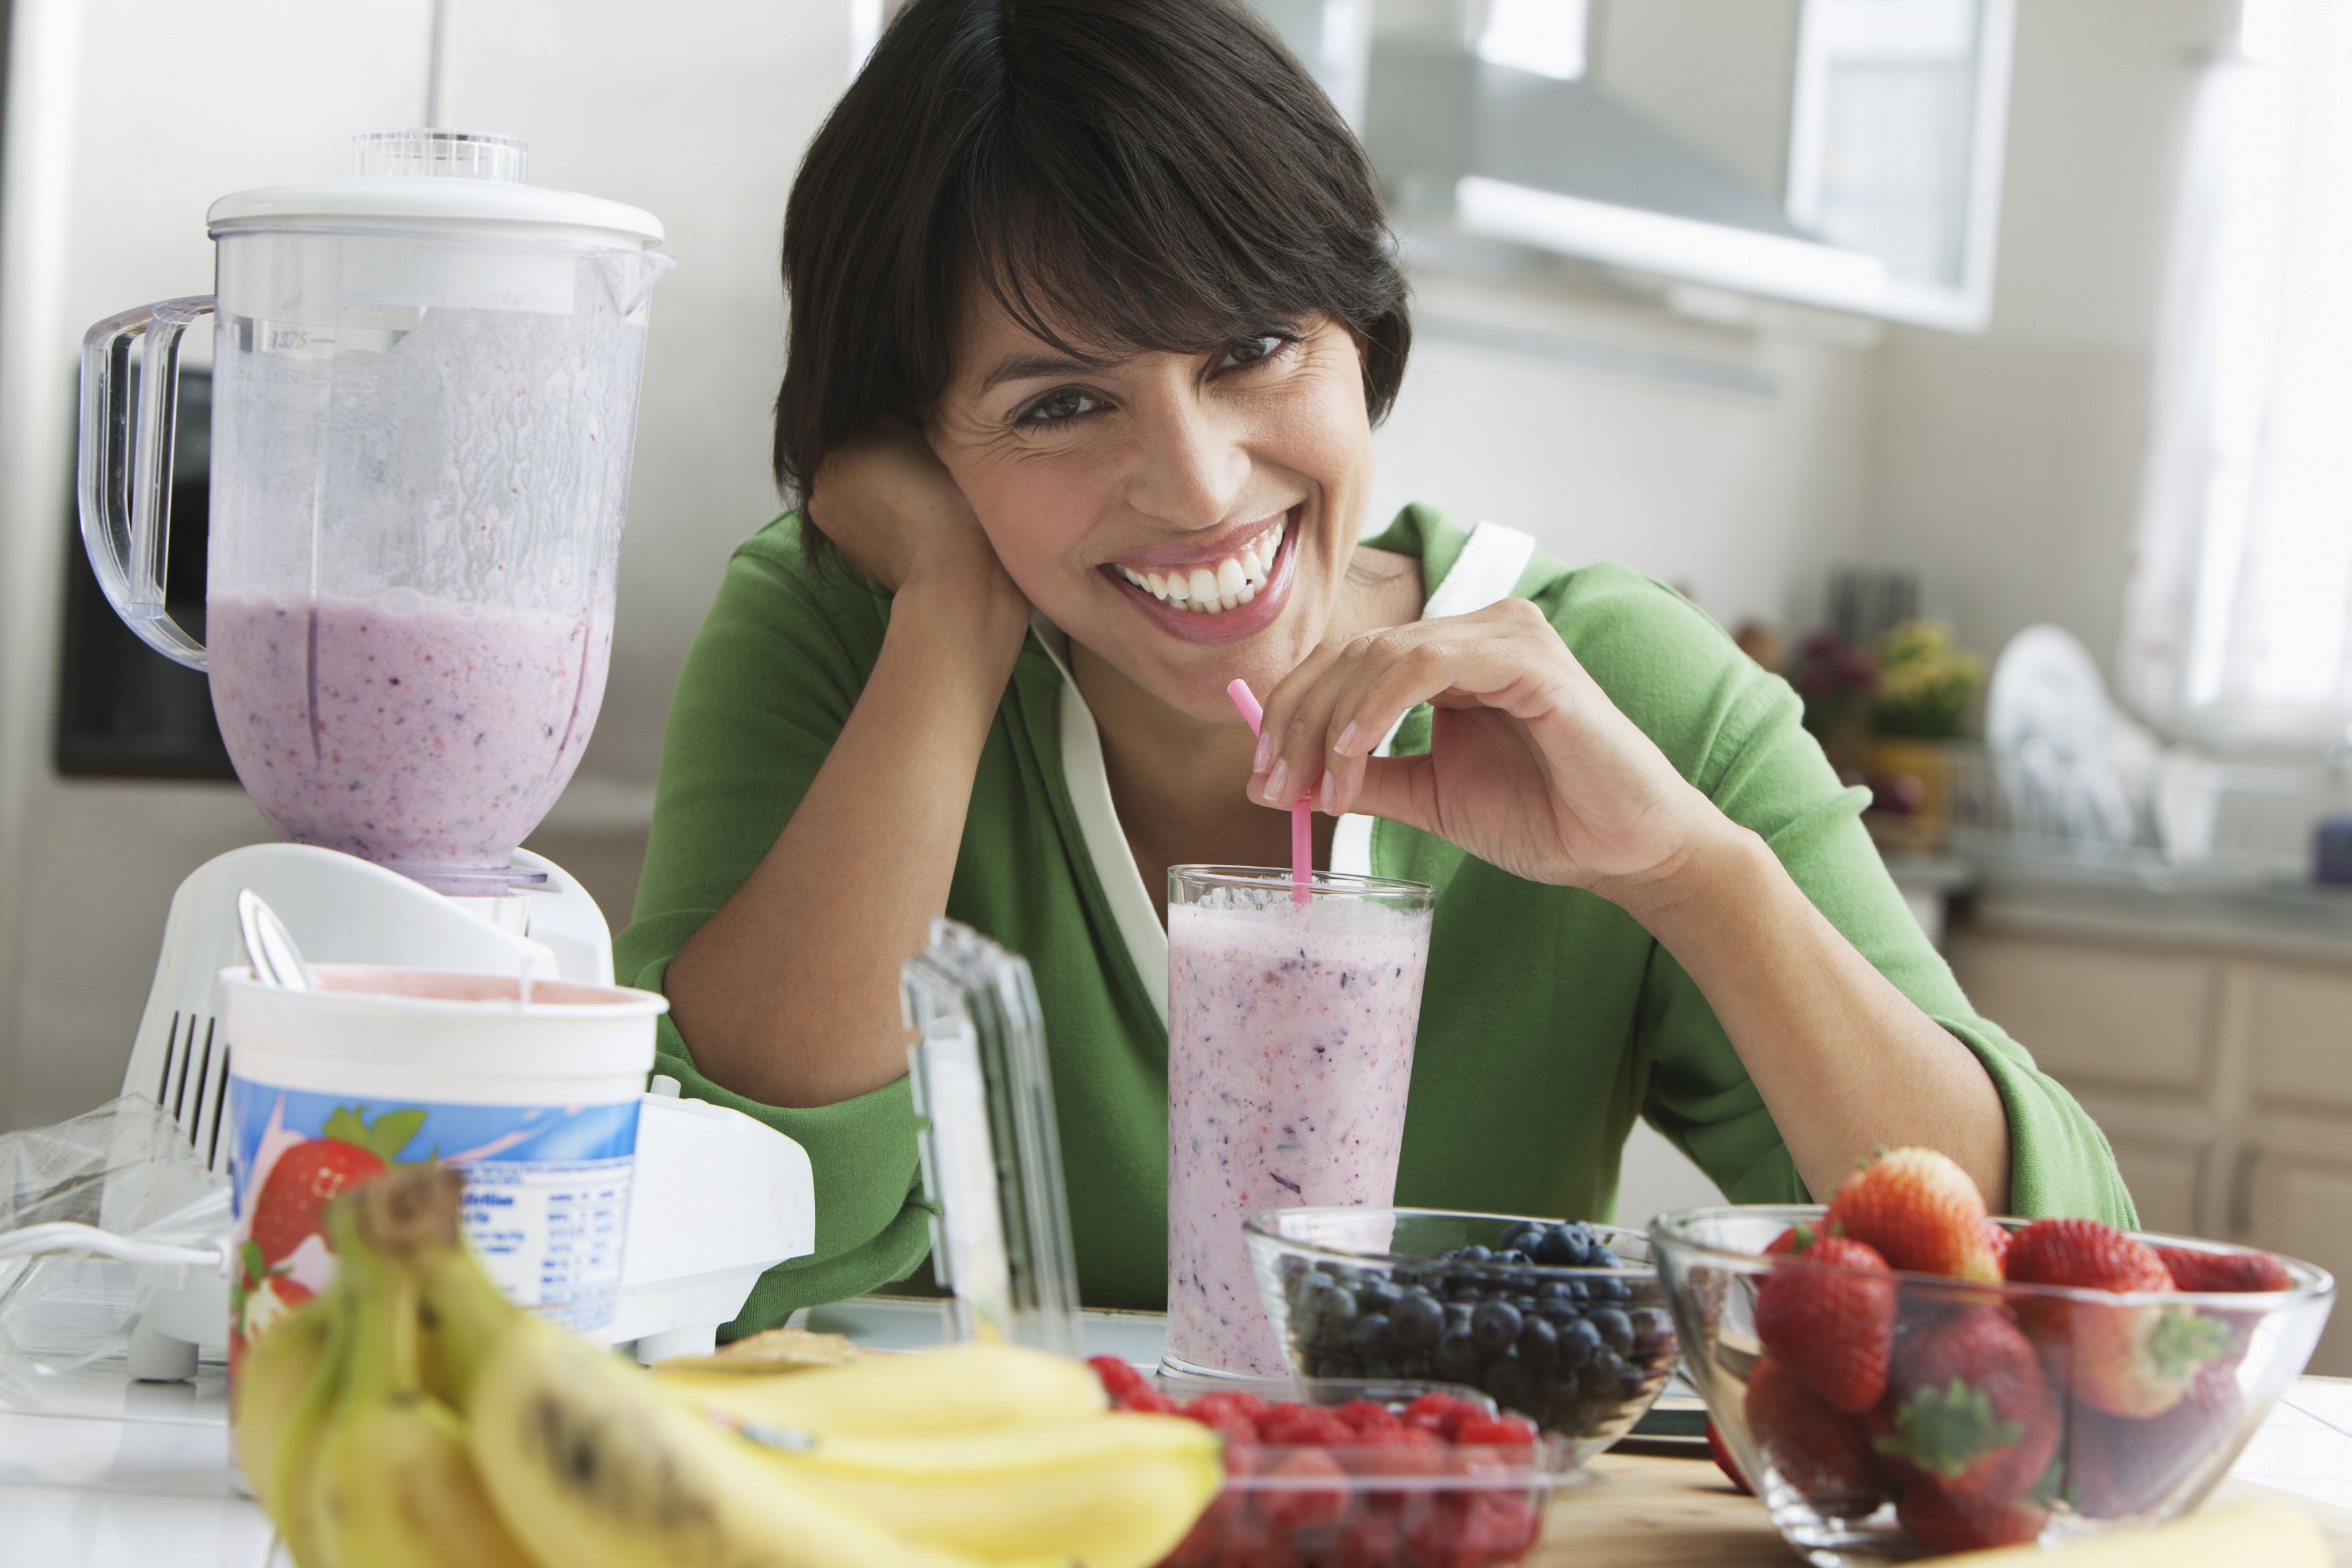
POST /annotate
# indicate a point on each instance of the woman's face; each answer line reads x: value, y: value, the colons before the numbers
x: 1188, y: 518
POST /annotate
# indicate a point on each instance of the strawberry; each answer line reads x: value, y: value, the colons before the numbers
x: 1970, y: 1409
x: 1941, y: 1523
x: 1816, y: 1450
x: 305, y: 1179
x: 1920, y: 1211
x: 1496, y: 1432
x: 1997, y: 1240
x: 1725, y: 1463
x: 2116, y: 1467
x: 1827, y: 1312
x: 2193, y: 1268
x: 2133, y: 1361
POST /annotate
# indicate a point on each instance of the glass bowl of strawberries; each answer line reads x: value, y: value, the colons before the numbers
x: 1896, y: 1372
x: 1356, y: 1473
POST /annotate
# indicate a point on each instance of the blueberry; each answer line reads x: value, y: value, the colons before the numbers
x: 1600, y: 1255
x: 1606, y: 1289
x: 1457, y: 1356
x: 1372, y: 1332
x: 1511, y: 1257
x: 1304, y: 1293
x: 1579, y: 1342
x: 1651, y: 1329
x: 1538, y: 1345
x: 1506, y: 1380
x: 1335, y: 1314
x: 1524, y: 1237
x: 1615, y: 1328
x: 1457, y: 1314
x: 1416, y: 1320
x: 1495, y: 1325
x: 1565, y: 1390
x: 1474, y: 1253
x: 1564, y: 1246
x: 1377, y: 1295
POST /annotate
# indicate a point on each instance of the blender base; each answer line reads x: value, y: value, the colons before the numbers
x: 688, y: 1262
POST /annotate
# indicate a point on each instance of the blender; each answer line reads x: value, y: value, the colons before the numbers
x: 424, y: 393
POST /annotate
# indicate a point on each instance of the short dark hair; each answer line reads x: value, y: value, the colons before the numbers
x: 1154, y: 175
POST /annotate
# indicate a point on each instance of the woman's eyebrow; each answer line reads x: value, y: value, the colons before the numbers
x: 1031, y: 366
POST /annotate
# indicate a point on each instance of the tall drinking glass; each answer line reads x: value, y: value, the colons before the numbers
x: 1290, y: 1031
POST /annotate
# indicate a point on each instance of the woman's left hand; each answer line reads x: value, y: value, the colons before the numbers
x: 1530, y: 766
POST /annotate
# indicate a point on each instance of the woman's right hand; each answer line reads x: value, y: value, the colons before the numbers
x: 889, y: 505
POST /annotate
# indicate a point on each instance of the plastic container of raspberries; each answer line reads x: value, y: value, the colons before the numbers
x: 1357, y: 1473
x: 1885, y: 1412
x: 1563, y: 1322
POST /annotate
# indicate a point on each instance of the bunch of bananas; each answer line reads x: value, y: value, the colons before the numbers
x: 412, y: 1416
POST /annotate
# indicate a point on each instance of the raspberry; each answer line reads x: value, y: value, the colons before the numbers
x: 1306, y: 1506
x: 1440, y: 1413
x: 1119, y: 1378
x: 1368, y: 1415
x: 1305, y: 1426
x: 1152, y: 1402
x: 1496, y: 1431
x: 1247, y: 1408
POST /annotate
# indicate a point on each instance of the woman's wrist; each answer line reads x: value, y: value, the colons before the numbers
x: 964, y: 616
x: 1720, y: 868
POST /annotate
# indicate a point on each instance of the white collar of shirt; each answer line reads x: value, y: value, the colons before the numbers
x: 1488, y: 568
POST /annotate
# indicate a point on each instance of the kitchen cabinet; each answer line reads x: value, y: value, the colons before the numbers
x: 2224, y: 1079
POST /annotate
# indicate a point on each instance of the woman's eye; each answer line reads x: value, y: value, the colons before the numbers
x: 1255, y: 350
x: 1060, y: 407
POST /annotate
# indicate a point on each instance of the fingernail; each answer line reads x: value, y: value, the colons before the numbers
x: 1327, y: 796
x: 1263, y: 755
x: 1274, y: 781
x: 1346, y: 738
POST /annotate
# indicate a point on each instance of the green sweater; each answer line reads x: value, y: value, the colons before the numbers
x: 1550, y: 1019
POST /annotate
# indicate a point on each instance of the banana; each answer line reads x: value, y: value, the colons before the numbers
x: 287, y: 1491
x: 393, y: 1485
x: 273, y: 1375
x: 960, y: 1388
x: 1115, y: 1490
x: 593, y: 1469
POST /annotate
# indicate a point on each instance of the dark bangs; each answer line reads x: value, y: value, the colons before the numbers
x: 1123, y: 175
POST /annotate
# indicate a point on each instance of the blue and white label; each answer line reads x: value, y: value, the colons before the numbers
x: 546, y: 1205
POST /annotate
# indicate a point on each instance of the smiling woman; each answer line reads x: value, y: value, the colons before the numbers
x: 1093, y: 309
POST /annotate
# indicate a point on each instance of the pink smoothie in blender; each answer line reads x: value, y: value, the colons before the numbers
x: 422, y: 734
x: 1290, y: 1035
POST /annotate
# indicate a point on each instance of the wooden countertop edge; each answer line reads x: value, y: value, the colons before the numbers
x: 1644, y: 1511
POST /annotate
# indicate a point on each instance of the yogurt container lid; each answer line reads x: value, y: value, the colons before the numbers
x: 425, y: 992
x: 459, y: 183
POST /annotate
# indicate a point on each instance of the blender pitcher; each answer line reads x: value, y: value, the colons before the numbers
x: 424, y: 393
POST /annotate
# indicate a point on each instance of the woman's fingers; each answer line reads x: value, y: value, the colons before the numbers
x: 1331, y: 712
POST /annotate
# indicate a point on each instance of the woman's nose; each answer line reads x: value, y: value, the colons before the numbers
x: 1189, y: 466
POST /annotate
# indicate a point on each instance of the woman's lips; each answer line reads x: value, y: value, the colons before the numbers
x: 1223, y: 625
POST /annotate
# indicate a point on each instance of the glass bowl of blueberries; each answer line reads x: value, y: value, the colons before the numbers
x: 1562, y: 1322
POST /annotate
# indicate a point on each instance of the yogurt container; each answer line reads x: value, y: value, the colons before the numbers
x: 532, y: 1092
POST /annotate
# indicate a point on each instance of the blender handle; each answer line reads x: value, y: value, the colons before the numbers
x: 126, y: 493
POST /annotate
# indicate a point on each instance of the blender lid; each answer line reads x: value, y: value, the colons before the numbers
x: 437, y: 180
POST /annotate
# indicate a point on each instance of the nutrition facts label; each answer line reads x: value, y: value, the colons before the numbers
x: 551, y: 1233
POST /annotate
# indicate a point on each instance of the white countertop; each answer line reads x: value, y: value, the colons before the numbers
x: 112, y: 1474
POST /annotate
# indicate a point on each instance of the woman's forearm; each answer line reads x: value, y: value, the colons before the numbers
x: 789, y: 994
x: 1846, y: 1061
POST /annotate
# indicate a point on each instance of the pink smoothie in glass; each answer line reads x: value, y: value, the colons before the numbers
x: 1290, y: 1032
x: 422, y: 734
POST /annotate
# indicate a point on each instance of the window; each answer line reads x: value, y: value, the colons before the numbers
x: 2238, y: 628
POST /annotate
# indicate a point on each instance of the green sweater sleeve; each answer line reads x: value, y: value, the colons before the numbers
x: 768, y: 684
x: 1737, y: 733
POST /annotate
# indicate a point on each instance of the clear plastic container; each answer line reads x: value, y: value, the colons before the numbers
x: 1367, y: 1505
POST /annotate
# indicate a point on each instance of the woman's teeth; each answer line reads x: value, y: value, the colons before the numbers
x: 1209, y: 590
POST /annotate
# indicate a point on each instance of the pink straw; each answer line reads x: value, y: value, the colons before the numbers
x: 1302, y: 813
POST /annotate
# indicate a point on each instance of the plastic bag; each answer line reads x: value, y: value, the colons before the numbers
x: 126, y: 1168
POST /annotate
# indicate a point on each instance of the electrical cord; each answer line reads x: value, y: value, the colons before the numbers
x: 67, y: 1235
